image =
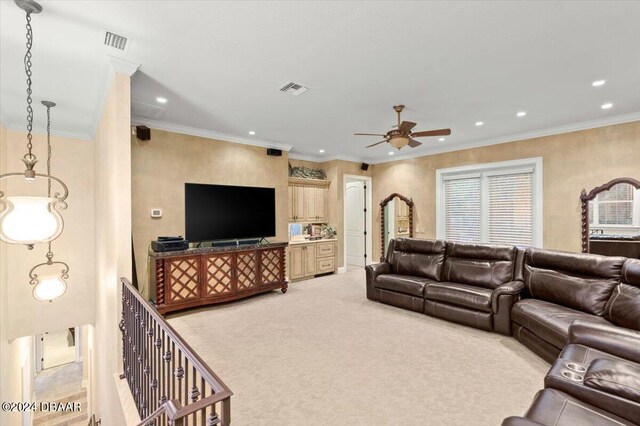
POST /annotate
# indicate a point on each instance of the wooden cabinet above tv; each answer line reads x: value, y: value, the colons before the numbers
x: 308, y: 200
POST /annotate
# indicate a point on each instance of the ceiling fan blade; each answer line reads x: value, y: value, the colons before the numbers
x: 439, y: 132
x: 413, y: 143
x: 369, y: 134
x: 377, y: 143
x: 405, y: 126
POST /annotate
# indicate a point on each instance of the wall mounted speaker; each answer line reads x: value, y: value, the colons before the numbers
x: 143, y: 133
x: 274, y: 152
x: 364, y: 166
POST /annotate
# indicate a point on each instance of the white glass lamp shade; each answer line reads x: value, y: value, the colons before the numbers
x: 49, y: 287
x: 30, y: 220
x: 399, y: 142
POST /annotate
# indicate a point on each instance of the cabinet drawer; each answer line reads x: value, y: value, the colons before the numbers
x: 326, y: 249
x: 325, y: 265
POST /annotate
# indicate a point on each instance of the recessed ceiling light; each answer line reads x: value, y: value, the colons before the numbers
x: 521, y: 113
x: 608, y: 105
x: 479, y: 123
x: 598, y: 83
x: 321, y: 151
x: 441, y: 139
x: 161, y: 100
x: 251, y: 132
x: 390, y: 152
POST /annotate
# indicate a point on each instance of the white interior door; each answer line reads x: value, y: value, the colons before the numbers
x: 354, y: 223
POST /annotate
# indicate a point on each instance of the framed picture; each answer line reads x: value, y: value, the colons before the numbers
x: 316, y: 230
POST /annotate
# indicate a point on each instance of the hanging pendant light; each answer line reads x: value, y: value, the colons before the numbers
x: 51, y: 284
x: 27, y: 219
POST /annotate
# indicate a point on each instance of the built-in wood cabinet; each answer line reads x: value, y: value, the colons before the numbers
x: 308, y: 200
x: 311, y: 258
x: 203, y: 276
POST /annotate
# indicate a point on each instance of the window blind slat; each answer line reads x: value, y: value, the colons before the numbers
x: 510, y: 205
x: 463, y: 209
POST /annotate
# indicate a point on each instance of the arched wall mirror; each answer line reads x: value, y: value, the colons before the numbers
x: 396, y: 220
x: 611, y: 218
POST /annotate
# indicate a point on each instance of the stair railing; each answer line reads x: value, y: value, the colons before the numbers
x: 170, y: 384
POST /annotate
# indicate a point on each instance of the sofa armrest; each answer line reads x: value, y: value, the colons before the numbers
x: 372, y: 273
x: 519, y: 421
x: 618, y: 341
x: 616, y: 377
x: 511, y: 288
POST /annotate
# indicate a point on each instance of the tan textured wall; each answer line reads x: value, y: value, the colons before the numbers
x: 161, y: 166
x: 112, y: 189
x: 71, y: 162
x: 336, y: 169
x: 571, y: 162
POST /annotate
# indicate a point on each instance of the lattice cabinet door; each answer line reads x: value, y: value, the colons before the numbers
x: 272, y: 266
x: 246, y: 270
x: 219, y: 275
x: 182, y: 277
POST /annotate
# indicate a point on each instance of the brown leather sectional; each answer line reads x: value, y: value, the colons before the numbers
x: 581, y: 312
x: 472, y: 284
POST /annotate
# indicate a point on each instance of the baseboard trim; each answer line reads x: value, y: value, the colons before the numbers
x: 342, y: 269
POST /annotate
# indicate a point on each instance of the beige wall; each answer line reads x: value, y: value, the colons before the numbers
x: 112, y: 189
x: 571, y: 162
x: 162, y: 165
x: 336, y: 169
x: 72, y: 162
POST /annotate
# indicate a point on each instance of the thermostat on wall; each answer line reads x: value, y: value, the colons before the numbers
x: 156, y: 213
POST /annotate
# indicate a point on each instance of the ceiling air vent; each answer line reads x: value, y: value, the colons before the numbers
x: 115, y: 41
x: 292, y: 88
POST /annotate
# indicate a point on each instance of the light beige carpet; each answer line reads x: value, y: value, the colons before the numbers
x: 324, y: 354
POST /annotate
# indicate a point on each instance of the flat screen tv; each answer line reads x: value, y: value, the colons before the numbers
x: 221, y: 212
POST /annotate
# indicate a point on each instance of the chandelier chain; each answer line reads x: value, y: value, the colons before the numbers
x: 49, y: 151
x: 27, y: 68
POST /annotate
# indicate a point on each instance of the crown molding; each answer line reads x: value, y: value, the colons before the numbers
x: 551, y: 131
x: 123, y: 66
x: 204, y: 133
x: 318, y: 159
x: 39, y: 130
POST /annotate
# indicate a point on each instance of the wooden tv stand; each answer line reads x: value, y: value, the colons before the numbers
x: 204, y: 276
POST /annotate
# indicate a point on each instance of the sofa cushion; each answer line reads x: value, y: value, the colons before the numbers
x: 465, y: 295
x: 623, y: 308
x: 580, y: 281
x: 553, y: 407
x: 549, y: 321
x: 631, y: 272
x: 406, y: 284
x: 420, y: 258
x: 479, y: 265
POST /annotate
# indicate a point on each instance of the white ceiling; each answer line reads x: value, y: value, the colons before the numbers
x: 220, y: 65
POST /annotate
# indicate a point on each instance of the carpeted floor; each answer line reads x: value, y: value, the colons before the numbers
x: 324, y: 354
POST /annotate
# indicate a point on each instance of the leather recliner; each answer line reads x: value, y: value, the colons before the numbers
x: 595, y: 381
x: 472, y: 284
x: 561, y: 287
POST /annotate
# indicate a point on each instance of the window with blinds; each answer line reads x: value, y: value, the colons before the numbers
x: 510, y: 209
x: 489, y: 204
x: 462, y: 209
x: 613, y: 207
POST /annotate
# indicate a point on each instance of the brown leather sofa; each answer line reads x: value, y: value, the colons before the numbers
x: 596, y: 378
x: 595, y: 381
x: 471, y: 284
x: 562, y: 287
x: 580, y: 312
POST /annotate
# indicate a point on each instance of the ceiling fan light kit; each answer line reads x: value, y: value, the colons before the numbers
x: 402, y: 135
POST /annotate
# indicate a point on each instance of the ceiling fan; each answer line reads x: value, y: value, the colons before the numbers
x: 402, y: 135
